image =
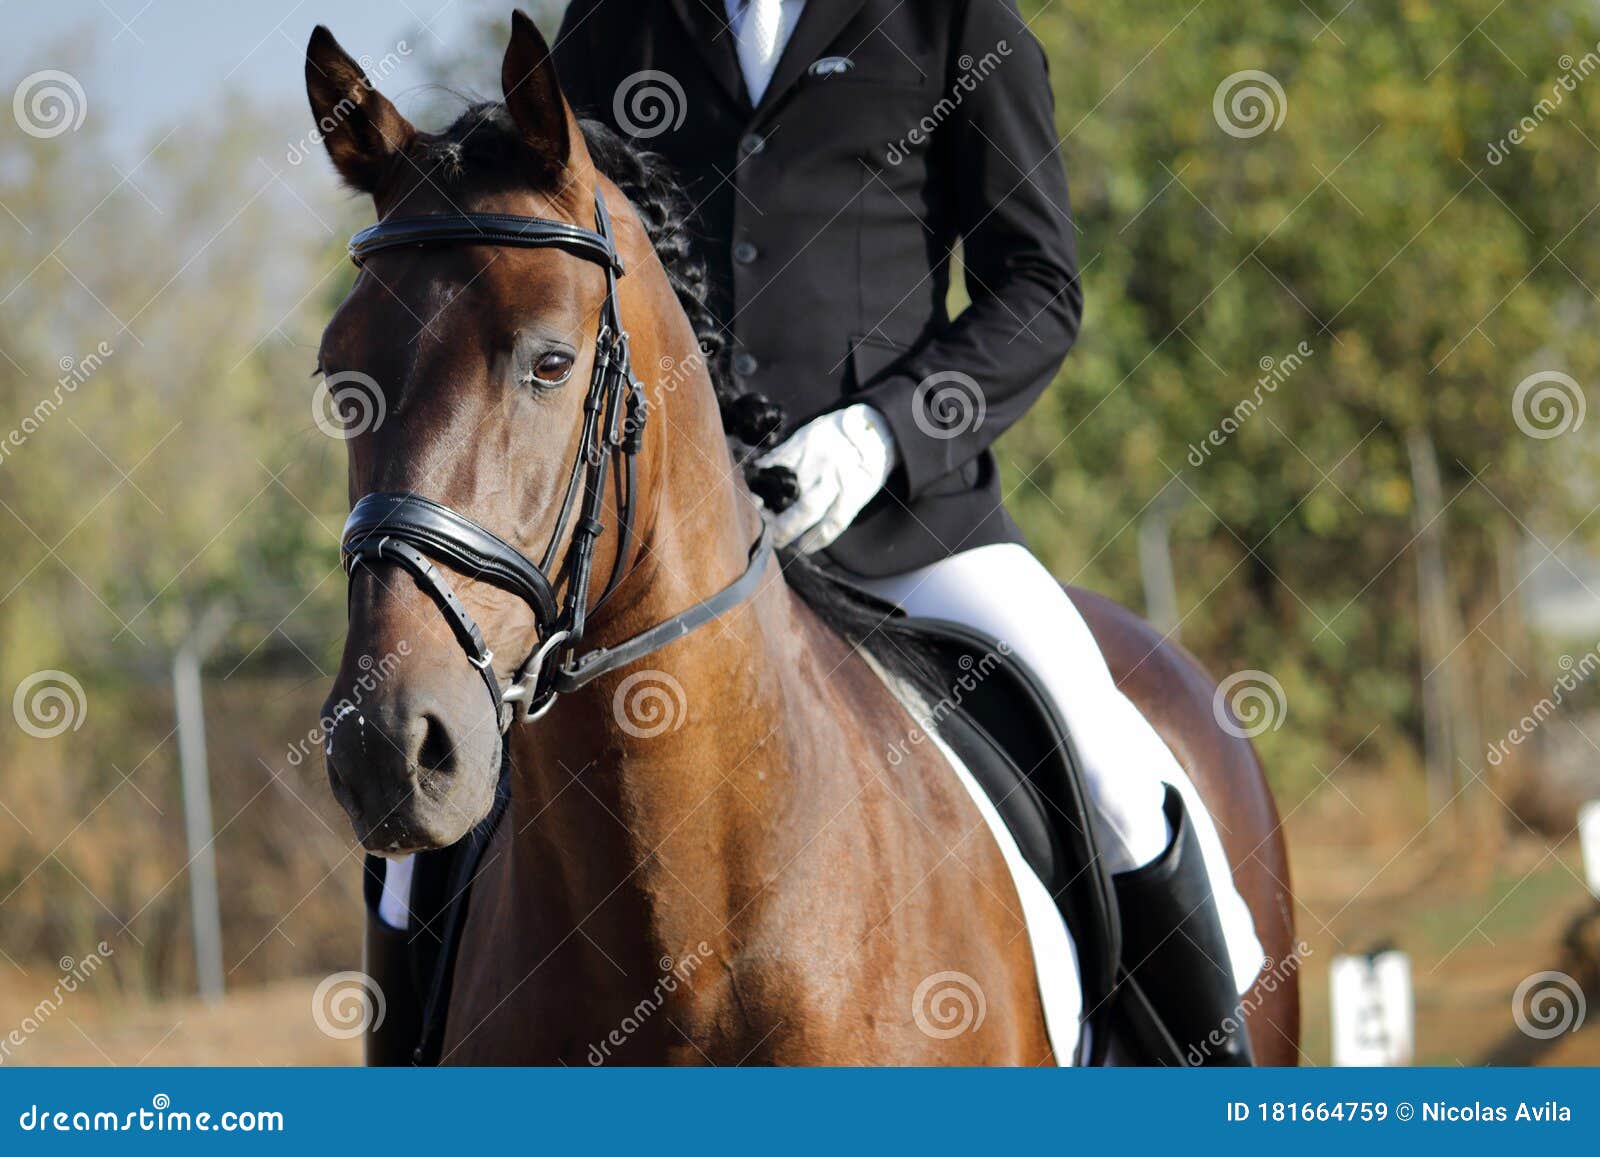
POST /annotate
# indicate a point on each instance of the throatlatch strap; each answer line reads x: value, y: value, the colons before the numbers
x: 602, y: 659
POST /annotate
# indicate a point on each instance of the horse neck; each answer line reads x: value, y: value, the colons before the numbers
x: 661, y: 752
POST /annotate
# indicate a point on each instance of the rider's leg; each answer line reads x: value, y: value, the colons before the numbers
x: 1004, y: 591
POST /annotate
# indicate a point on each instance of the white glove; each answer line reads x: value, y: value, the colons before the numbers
x: 840, y: 460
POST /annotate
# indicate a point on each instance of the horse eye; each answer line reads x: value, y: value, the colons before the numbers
x: 551, y: 369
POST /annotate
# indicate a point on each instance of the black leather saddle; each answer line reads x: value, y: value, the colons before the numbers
x: 995, y: 715
x: 981, y: 700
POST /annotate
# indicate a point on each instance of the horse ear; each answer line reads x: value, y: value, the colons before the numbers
x: 534, y: 100
x: 362, y: 131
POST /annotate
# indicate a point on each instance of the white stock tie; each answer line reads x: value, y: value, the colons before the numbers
x: 760, y: 43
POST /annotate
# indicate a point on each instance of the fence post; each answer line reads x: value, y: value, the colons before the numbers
x: 204, y: 901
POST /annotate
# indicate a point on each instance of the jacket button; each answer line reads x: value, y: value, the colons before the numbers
x: 751, y: 144
x: 745, y: 364
x: 745, y: 253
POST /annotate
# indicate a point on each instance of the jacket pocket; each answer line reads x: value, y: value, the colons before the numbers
x: 870, y: 358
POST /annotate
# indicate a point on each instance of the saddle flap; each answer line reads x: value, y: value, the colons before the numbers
x: 995, y: 714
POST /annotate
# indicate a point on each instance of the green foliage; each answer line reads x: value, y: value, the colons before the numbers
x: 1425, y: 281
x: 185, y: 471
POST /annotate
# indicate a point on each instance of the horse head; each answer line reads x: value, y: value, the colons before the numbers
x: 467, y: 374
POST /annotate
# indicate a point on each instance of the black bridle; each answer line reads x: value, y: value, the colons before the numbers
x: 412, y: 531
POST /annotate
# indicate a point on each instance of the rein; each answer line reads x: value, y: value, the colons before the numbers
x: 412, y: 531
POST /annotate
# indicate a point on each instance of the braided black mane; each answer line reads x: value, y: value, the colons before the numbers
x: 750, y: 419
x: 484, y: 139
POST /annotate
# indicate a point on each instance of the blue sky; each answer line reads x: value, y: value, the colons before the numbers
x: 147, y: 64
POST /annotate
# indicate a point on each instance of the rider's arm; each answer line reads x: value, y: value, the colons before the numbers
x: 1001, y: 157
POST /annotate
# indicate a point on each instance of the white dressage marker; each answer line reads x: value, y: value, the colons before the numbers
x: 1372, y: 1010
x: 1589, y: 837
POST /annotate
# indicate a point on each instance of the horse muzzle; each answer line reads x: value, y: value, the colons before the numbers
x: 413, y: 772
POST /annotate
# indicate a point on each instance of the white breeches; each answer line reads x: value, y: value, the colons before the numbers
x: 1006, y: 592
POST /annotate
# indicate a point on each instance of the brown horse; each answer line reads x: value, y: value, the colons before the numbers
x: 706, y: 857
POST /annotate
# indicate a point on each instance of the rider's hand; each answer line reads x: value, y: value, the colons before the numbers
x: 840, y: 461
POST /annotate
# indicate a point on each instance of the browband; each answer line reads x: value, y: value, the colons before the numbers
x: 484, y: 229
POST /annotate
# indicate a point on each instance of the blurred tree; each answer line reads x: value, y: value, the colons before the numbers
x: 1319, y: 174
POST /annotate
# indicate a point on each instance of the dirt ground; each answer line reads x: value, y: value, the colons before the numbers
x: 1478, y: 902
x: 261, y: 1026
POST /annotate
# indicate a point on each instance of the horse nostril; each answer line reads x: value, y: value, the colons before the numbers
x: 436, y: 752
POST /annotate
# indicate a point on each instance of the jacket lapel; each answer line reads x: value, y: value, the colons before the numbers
x: 707, y: 22
x: 820, y: 22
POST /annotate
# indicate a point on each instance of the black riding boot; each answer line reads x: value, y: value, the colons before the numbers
x: 1174, y: 952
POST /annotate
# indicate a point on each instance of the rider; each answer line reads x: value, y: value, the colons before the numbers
x: 835, y: 152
